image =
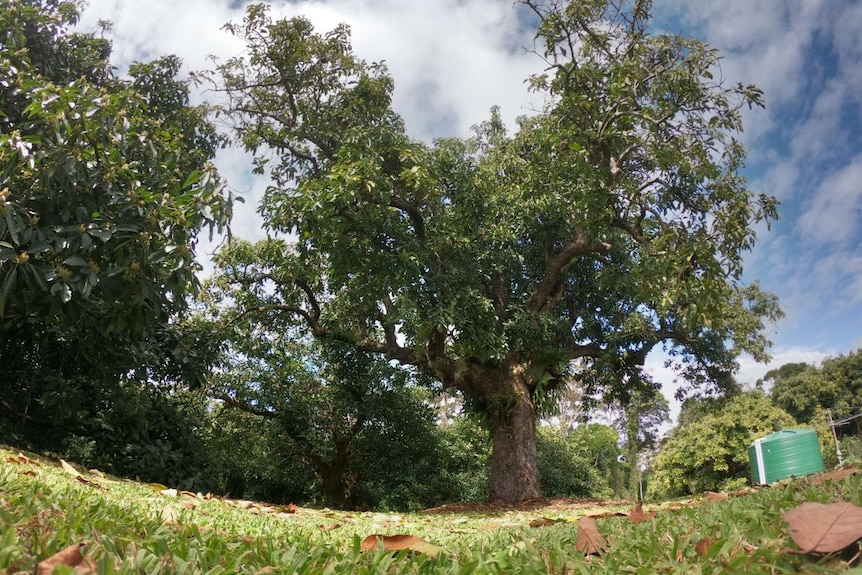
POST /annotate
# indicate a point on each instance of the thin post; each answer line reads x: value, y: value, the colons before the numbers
x: 835, y: 437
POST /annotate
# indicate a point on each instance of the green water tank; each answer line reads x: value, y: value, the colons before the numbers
x: 783, y: 454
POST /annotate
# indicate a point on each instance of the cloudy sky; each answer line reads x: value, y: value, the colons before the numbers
x: 453, y: 59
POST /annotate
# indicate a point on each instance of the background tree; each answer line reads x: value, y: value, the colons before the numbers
x: 614, y: 219
x: 709, y: 449
x: 349, y: 416
x: 105, y: 185
x: 828, y: 399
x: 800, y: 389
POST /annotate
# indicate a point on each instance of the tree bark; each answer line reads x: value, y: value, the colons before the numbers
x: 514, y: 464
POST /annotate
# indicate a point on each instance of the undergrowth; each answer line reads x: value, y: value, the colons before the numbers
x: 133, y: 528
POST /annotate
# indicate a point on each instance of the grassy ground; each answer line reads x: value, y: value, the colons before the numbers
x: 138, y: 528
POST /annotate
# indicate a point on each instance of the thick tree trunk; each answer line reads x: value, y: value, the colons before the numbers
x: 514, y: 465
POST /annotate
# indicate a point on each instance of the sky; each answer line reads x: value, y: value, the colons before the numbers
x: 452, y: 60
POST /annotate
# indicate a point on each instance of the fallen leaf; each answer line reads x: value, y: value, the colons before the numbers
x: 834, y: 476
x: 589, y: 541
x: 168, y: 492
x: 638, y: 515
x: 715, y: 496
x: 744, y: 491
x: 157, y: 487
x: 28, y: 473
x: 824, y: 527
x: 69, y: 469
x: 542, y: 522
x: 702, y: 546
x: 91, y: 483
x: 399, y: 543
x: 69, y: 557
x: 292, y: 508
x: 21, y: 459
x: 607, y: 514
x: 169, y: 515
x: 330, y: 526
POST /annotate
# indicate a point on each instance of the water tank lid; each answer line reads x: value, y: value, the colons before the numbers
x: 784, y: 434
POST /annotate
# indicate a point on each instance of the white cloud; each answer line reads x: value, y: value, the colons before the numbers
x: 834, y: 214
x: 749, y: 370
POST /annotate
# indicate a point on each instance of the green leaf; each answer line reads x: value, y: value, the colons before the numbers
x: 75, y: 261
x: 38, y: 247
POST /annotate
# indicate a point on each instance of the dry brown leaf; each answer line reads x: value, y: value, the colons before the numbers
x: 22, y: 460
x: 91, y: 483
x: 743, y: 492
x: 28, y: 473
x: 330, y: 526
x: 607, y: 514
x: 70, y: 557
x: 542, y: 522
x: 169, y: 515
x: 292, y: 508
x: 824, y: 527
x: 589, y: 541
x: 702, y: 546
x: 638, y: 515
x: 834, y: 476
x: 265, y: 570
x: 399, y: 543
x: 69, y: 469
x: 715, y: 496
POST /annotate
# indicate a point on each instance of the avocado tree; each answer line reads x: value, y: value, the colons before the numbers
x: 609, y: 222
x: 105, y: 185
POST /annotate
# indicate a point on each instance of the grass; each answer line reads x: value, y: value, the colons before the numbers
x: 133, y: 528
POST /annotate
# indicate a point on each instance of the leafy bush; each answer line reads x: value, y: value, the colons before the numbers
x: 710, y: 451
x: 564, y: 469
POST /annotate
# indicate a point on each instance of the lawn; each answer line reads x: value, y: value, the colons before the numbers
x: 121, y: 526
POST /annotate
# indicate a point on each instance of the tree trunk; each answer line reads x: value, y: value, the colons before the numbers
x: 514, y: 465
x: 333, y: 476
x: 632, y: 451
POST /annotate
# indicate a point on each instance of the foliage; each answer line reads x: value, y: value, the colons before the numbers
x: 566, y: 469
x: 710, y: 451
x: 105, y: 186
x: 613, y: 220
x: 359, y: 423
x: 468, y: 462
x: 252, y: 458
x: 801, y: 390
x: 132, y: 529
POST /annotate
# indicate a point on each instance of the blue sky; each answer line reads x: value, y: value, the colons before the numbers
x: 454, y: 59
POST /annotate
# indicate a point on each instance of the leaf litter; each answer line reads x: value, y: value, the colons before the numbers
x: 824, y: 527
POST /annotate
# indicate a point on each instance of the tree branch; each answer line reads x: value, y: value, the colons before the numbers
x: 541, y: 298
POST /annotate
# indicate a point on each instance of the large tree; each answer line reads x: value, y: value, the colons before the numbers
x: 105, y: 185
x: 612, y: 220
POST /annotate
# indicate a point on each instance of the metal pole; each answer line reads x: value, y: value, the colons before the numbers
x: 835, y: 437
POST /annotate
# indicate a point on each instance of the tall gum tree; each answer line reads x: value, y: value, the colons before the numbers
x: 610, y: 222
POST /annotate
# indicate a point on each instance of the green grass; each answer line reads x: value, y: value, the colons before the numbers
x: 132, y: 528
